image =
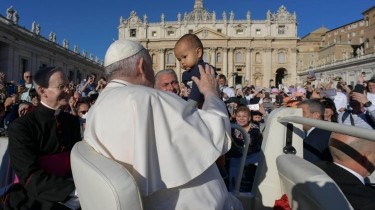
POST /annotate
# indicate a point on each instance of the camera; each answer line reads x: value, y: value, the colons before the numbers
x: 337, y: 79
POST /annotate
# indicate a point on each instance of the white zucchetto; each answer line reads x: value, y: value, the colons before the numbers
x: 121, y: 49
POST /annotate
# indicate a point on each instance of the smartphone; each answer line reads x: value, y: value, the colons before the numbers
x: 359, y: 88
x: 254, y: 107
x: 21, y: 82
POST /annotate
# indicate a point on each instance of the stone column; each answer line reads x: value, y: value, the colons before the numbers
x: 248, y: 65
x: 293, y: 71
x: 162, y: 59
x: 230, y: 66
x: 178, y: 70
x: 267, y: 63
x: 225, y: 62
x: 213, y: 56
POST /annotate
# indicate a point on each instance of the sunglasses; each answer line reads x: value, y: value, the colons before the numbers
x: 28, y: 77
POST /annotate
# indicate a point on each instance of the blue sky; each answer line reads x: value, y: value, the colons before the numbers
x: 92, y: 25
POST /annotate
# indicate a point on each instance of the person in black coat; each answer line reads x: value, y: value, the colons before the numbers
x: 354, y: 161
x: 39, y: 147
x: 315, y: 144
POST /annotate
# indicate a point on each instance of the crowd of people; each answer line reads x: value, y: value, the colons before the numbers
x: 160, y: 128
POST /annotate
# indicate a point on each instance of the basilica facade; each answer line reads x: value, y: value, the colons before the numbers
x: 249, y: 51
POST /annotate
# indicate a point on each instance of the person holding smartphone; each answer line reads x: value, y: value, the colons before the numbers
x: 87, y: 85
x: 362, y: 113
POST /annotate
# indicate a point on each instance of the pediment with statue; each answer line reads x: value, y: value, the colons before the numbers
x: 207, y: 33
x: 133, y: 20
x: 282, y: 15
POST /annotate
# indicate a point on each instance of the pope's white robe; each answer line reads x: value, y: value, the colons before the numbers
x: 170, y: 152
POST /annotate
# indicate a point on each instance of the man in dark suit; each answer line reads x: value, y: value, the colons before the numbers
x: 315, y: 144
x: 39, y: 148
x: 353, y: 161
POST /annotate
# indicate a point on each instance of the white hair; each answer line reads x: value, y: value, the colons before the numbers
x: 126, y: 67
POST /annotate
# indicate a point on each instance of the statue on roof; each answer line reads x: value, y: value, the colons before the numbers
x: 145, y: 19
x: 54, y: 37
x: 133, y: 14
x: 268, y: 15
x: 248, y: 15
x: 75, y: 48
x: 179, y: 17
x: 10, y: 12
x: 231, y: 16
x: 162, y: 17
x: 224, y: 16
x: 65, y: 44
x: 84, y: 53
x: 37, y: 29
x: 16, y: 17
x: 185, y: 18
x: 33, y: 26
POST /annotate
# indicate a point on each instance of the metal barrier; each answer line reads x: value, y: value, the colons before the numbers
x: 247, y: 140
x: 335, y: 127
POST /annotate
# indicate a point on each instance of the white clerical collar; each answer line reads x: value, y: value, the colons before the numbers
x: 309, y: 131
x: 57, y: 110
x: 44, y: 104
x: 352, y: 172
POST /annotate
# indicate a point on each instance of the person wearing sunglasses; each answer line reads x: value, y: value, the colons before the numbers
x: 26, y: 87
x: 82, y: 109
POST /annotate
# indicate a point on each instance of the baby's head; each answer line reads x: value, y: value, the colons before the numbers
x: 188, y: 51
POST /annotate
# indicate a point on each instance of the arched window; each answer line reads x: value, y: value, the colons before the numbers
x: 170, y: 58
x: 238, y: 57
x: 281, y: 57
x: 219, y: 58
x: 258, y: 58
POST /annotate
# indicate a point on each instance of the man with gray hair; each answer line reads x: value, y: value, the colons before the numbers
x: 315, y: 143
x: 167, y: 80
x: 170, y: 152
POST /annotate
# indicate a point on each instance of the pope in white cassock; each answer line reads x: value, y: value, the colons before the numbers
x: 169, y: 150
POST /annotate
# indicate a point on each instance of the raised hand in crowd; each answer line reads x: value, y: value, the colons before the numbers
x: 2, y: 77
x: 360, y: 79
x: 10, y: 101
x: 361, y: 98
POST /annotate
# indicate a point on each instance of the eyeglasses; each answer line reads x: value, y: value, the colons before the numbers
x: 62, y: 87
x: 83, y: 112
x: 28, y: 77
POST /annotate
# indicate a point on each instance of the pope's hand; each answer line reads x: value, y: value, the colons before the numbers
x: 207, y: 84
